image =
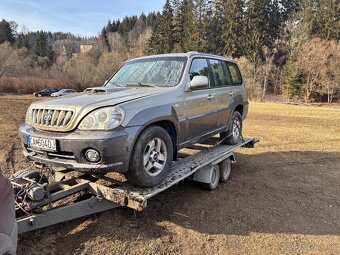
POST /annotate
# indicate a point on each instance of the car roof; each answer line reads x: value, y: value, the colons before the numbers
x: 187, y: 54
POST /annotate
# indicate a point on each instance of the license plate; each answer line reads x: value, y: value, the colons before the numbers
x: 42, y: 143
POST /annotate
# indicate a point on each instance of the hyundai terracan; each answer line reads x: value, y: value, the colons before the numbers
x: 144, y: 114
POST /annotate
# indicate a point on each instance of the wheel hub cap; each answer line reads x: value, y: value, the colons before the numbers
x: 155, y: 156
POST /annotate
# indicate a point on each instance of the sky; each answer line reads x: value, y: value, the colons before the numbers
x: 80, y: 17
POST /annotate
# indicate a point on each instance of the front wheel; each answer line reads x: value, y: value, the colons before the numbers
x: 151, y: 158
x: 234, y: 133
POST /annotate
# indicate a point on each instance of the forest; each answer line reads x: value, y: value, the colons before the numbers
x: 287, y: 49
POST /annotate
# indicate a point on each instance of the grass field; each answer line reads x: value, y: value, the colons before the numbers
x: 282, y: 198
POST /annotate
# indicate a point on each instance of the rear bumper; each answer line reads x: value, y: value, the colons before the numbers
x: 114, y: 148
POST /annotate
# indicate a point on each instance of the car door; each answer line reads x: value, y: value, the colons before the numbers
x: 223, y: 90
x: 199, y: 104
x: 236, y: 78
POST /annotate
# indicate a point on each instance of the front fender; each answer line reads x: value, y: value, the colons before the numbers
x: 155, y: 114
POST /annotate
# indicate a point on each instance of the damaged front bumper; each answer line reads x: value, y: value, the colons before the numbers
x: 114, y: 148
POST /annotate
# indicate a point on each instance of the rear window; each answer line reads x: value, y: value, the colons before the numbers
x: 220, y: 75
x: 235, y: 73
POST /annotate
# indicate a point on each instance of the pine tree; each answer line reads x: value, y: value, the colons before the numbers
x: 185, y: 27
x: 6, y: 32
x: 162, y: 38
x: 232, y: 26
x: 290, y: 84
x: 109, y: 27
x: 214, y: 28
x: 104, y: 39
x: 202, y: 14
x: 41, y: 45
x: 326, y: 22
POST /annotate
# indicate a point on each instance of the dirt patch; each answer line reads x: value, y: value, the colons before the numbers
x: 282, y: 198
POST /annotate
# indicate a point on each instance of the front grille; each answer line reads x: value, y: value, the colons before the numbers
x: 51, y: 118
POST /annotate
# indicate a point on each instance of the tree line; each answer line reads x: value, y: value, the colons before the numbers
x: 288, y: 48
x: 269, y: 37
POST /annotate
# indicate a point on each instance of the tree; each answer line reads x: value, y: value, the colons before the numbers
x: 232, y: 15
x: 326, y: 21
x: 8, y: 58
x: 105, y: 39
x: 43, y: 52
x: 7, y: 31
x: 81, y: 70
x: 108, y: 63
x: 162, y: 37
x: 185, y: 27
x: 317, y: 67
x: 202, y: 12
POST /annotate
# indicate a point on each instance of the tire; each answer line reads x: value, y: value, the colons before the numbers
x: 225, y: 170
x: 234, y: 133
x: 151, y: 158
x: 39, y: 95
x: 215, y: 179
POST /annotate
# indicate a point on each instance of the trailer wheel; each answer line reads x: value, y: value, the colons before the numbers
x: 215, y: 178
x: 225, y: 170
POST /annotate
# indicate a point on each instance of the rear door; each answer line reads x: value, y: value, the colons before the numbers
x: 236, y: 78
x: 223, y: 89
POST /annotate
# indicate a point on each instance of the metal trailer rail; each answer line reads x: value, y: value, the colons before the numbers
x: 39, y: 201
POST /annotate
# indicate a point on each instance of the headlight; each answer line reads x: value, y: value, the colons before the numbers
x: 103, y: 119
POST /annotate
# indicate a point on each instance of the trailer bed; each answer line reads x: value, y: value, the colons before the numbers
x: 104, y: 193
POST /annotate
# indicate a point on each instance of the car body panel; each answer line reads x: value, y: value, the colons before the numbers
x: 195, y: 115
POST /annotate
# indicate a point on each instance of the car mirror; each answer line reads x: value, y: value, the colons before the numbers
x: 199, y: 82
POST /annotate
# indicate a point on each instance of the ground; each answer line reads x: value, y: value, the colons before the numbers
x: 282, y: 198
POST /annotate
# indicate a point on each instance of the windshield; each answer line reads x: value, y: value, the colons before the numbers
x: 160, y: 72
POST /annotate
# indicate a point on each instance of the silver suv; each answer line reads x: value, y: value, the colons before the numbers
x: 144, y: 114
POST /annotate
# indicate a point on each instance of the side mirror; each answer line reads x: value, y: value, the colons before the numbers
x: 199, y: 82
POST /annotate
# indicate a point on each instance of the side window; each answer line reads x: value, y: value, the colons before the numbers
x: 199, y: 66
x: 220, y: 76
x: 235, y: 74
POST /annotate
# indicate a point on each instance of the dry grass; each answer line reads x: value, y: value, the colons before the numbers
x: 283, y: 196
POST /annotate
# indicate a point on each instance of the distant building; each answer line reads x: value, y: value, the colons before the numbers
x: 85, y: 48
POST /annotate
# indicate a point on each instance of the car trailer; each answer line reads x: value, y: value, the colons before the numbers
x: 73, y: 195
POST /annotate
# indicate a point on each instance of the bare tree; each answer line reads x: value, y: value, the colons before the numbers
x: 317, y: 66
x: 8, y: 58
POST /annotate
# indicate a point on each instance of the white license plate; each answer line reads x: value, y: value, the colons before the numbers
x: 42, y: 143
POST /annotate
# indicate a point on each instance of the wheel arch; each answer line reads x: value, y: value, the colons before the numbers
x: 164, y: 117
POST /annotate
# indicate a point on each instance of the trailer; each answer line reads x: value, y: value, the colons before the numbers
x: 73, y: 195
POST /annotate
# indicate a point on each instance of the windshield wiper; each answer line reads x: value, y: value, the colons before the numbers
x: 139, y: 84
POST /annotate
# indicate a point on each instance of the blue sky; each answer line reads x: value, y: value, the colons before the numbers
x: 83, y: 17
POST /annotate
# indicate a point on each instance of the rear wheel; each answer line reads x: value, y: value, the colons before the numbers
x: 151, y: 158
x: 234, y: 133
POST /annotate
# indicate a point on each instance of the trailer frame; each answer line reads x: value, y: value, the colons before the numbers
x: 100, y: 193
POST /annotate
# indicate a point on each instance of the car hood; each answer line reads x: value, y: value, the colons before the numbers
x: 82, y: 103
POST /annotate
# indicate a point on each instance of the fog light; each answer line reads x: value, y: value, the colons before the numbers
x: 92, y: 155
